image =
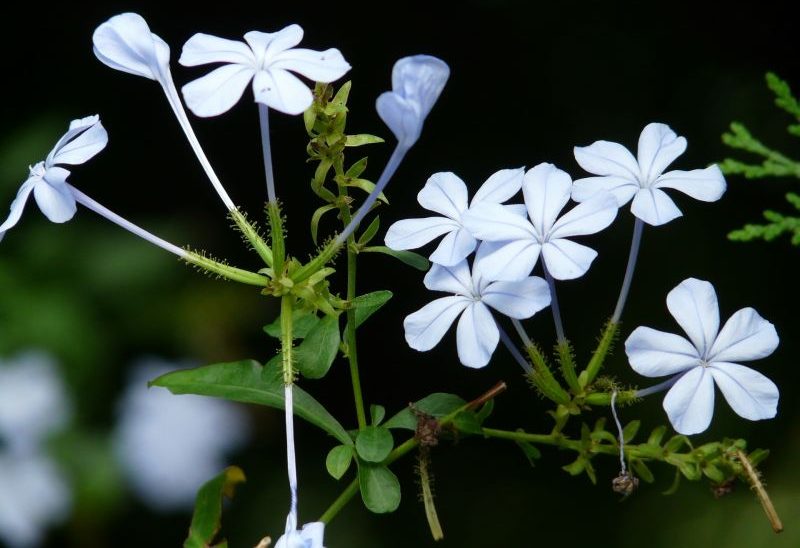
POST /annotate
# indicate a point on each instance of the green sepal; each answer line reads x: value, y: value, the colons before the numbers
x: 414, y: 260
x: 247, y: 381
x: 338, y: 460
x: 206, y: 520
x: 374, y: 443
x: 380, y: 488
x: 436, y: 405
x: 362, y: 139
x: 314, y: 356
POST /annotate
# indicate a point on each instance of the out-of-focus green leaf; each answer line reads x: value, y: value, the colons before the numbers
x: 206, y: 520
x: 436, y: 405
x: 414, y: 260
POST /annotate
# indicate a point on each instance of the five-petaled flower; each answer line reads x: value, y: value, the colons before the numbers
x: 709, y: 356
x: 643, y: 178
x: 477, y: 333
x: 513, y: 244
x: 417, y: 82
x: 48, y: 182
x: 446, y: 193
x: 268, y: 59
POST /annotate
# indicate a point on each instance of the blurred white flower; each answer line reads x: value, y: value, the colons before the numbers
x: 33, y: 405
x: 266, y: 59
x: 446, y: 193
x: 310, y: 536
x: 170, y: 445
x: 709, y: 356
x: 642, y: 178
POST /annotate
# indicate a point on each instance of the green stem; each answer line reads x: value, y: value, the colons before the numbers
x: 543, y: 378
x: 252, y: 236
x: 340, y: 502
x: 226, y: 271
x: 287, y: 339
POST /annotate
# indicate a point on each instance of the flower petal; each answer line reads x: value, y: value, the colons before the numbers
x: 707, y: 185
x: 451, y: 279
x: 546, y: 190
x: 444, y: 193
x: 567, y: 260
x: 654, y: 207
x: 500, y: 186
x: 608, y: 159
x: 655, y: 353
x: 19, y: 204
x: 588, y: 217
x: 125, y: 43
x: 745, y: 336
x: 748, y: 392
x: 690, y: 402
x: 420, y: 78
x: 281, y: 90
x: 400, y: 115
x: 693, y: 304
x: 319, y: 66
x: 506, y: 261
x: 217, y: 91
x: 658, y: 148
x: 266, y: 45
x: 621, y: 188
x: 518, y: 300
x: 493, y: 223
x: 476, y: 336
x: 426, y: 327
x: 202, y: 49
x: 311, y: 536
x: 454, y: 247
x: 54, y: 197
x: 85, y: 138
x: 414, y: 233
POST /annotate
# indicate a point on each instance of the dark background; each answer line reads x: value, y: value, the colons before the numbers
x: 529, y: 81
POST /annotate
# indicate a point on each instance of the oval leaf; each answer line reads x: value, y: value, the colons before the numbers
x: 338, y: 460
x: 249, y: 382
x: 302, y: 322
x: 374, y: 443
x: 314, y: 356
x: 380, y: 489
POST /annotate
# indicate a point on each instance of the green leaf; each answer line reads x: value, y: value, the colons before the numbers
x: 436, y: 405
x: 530, y: 451
x: 302, y: 322
x: 676, y: 442
x: 485, y: 411
x: 315, y: 218
x: 576, y: 467
x: 757, y: 456
x: 208, y: 508
x: 357, y: 168
x: 414, y: 260
x: 314, y: 356
x: 366, y: 186
x: 713, y: 473
x: 374, y: 443
x: 657, y: 435
x: 642, y: 470
x: 380, y: 489
x: 309, y: 117
x: 338, y: 460
x: 342, y: 94
x: 362, y: 139
x: 366, y: 305
x: 676, y: 482
x: 249, y: 382
x: 370, y: 232
x: 468, y: 423
x: 377, y: 414
x: 630, y: 430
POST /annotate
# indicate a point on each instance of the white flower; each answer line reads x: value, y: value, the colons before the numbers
x: 513, y: 244
x: 310, y: 536
x: 266, y: 59
x: 417, y: 82
x: 643, y: 178
x: 170, y: 445
x: 48, y: 182
x: 710, y: 357
x: 33, y: 496
x: 446, y: 193
x: 33, y: 401
x: 477, y: 334
x: 125, y: 43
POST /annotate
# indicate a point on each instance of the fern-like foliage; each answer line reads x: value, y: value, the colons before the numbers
x: 773, y: 164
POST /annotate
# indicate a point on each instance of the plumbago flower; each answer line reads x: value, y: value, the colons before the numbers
x: 266, y: 59
x: 446, y: 193
x: 310, y: 536
x: 477, y: 333
x: 513, y: 244
x: 643, y: 178
x: 710, y: 355
x: 48, y: 181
